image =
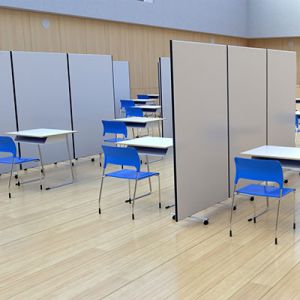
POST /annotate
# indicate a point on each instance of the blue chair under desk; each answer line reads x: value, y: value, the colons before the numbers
x: 8, y: 146
x: 264, y: 171
x: 125, y: 104
x: 126, y: 156
x: 143, y: 96
x: 134, y: 112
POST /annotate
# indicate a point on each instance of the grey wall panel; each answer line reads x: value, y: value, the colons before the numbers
x: 42, y: 94
x: 121, y: 83
x: 166, y: 95
x: 213, y: 16
x: 7, y: 107
x: 247, y: 100
x: 200, y: 116
x: 281, y: 95
x: 91, y: 78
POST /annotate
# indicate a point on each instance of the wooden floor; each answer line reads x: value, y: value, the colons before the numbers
x: 54, y: 245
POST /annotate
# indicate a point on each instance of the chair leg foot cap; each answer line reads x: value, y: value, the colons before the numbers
x: 276, y: 242
x: 230, y: 233
x: 9, y: 195
x: 132, y: 216
x: 294, y: 225
x: 254, y: 220
x: 41, y: 187
x: 159, y: 205
x: 99, y: 211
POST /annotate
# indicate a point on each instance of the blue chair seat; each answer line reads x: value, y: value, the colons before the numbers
x: 115, y: 140
x: 131, y: 174
x: 264, y: 190
x: 17, y: 160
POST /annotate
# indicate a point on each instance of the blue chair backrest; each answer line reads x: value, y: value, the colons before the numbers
x: 7, y: 145
x: 297, y: 121
x: 134, y: 112
x: 127, y: 103
x: 141, y: 96
x: 121, y: 156
x: 114, y: 127
x: 258, y: 169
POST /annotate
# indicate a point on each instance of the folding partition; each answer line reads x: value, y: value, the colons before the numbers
x: 92, y: 94
x: 42, y: 97
x: 247, y: 101
x: 7, y: 106
x: 121, y: 84
x: 281, y: 97
x: 199, y: 80
x: 165, y: 92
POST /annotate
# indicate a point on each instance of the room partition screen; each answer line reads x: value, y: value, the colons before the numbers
x: 281, y: 97
x: 42, y: 97
x: 199, y: 80
x: 165, y: 91
x: 7, y: 106
x: 121, y: 84
x: 92, y: 97
x: 247, y: 101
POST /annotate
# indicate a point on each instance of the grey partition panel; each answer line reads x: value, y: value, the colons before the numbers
x: 281, y: 97
x: 7, y: 106
x: 42, y: 96
x: 199, y: 81
x: 247, y: 101
x: 166, y: 95
x: 121, y: 84
x: 91, y: 78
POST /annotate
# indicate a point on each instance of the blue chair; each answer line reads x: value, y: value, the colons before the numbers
x: 134, y: 112
x: 125, y: 104
x: 265, y: 171
x: 142, y: 96
x: 128, y: 156
x: 114, y: 127
x: 7, y: 145
x: 297, y: 124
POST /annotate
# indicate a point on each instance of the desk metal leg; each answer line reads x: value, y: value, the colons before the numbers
x: 159, y: 131
x: 148, y: 169
x: 71, y: 168
x: 70, y: 158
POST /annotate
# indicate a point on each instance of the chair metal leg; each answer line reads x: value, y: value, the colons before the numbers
x: 254, y: 211
x: 133, y: 200
x: 129, y: 191
x: 277, y: 217
x: 231, y: 212
x: 159, y: 192
x: 100, y: 193
x: 294, y: 195
x: 9, y: 183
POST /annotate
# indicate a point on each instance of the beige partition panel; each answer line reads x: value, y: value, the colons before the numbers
x: 199, y: 81
x: 247, y: 101
x: 281, y: 97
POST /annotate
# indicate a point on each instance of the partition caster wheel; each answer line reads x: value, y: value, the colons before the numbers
x: 55, y: 163
x: 205, y: 222
x: 16, y: 176
x: 234, y: 208
x: 92, y: 159
x: 251, y: 198
x: 18, y: 183
x: 72, y: 164
x: 25, y: 169
x: 173, y: 217
x: 286, y: 181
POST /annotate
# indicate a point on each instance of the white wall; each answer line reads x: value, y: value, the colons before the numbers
x: 228, y: 17
x: 273, y: 18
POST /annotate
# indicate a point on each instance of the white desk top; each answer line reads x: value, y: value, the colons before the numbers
x: 149, y: 106
x: 149, y: 141
x: 153, y: 95
x: 41, y: 132
x: 143, y: 100
x: 279, y: 152
x: 141, y: 120
x: 297, y: 112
